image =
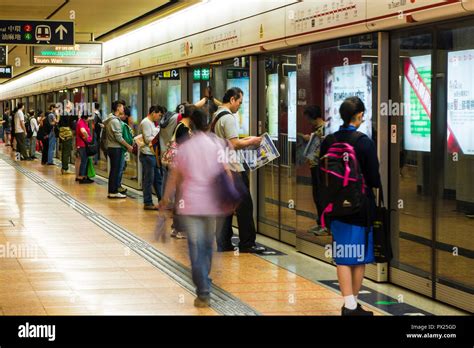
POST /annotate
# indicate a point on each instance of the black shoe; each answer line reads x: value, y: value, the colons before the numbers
x: 50, y: 164
x: 254, y: 250
x: 359, y: 311
x: 202, y: 302
x: 227, y: 248
x: 122, y: 190
x: 86, y: 181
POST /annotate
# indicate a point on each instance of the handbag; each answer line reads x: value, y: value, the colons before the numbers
x: 382, y: 238
x: 230, y: 189
x: 90, y: 168
x: 171, y: 151
x: 91, y: 148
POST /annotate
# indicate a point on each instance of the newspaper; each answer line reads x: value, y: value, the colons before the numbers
x: 265, y: 153
x: 313, y: 144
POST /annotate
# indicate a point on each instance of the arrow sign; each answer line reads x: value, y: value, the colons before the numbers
x: 62, y: 30
x: 36, y: 33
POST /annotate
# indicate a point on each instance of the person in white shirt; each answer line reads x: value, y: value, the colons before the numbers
x: 20, y: 131
x: 151, y: 173
x: 34, y: 128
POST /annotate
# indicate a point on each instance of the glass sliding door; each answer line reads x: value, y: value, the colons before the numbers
x: 329, y: 72
x: 277, y: 180
x: 412, y: 92
x: 131, y: 91
x: 454, y: 253
x: 432, y: 163
x: 104, y: 100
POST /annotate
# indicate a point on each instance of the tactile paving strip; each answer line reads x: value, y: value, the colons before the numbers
x: 222, y: 302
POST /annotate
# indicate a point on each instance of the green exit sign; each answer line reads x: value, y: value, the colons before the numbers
x: 201, y: 74
x: 205, y: 74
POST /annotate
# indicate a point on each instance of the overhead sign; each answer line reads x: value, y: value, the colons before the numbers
x: 168, y: 75
x: 20, y: 32
x: 6, y: 72
x: 81, y: 54
x: 201, y: 74
x: 3, y: 55
x: 237, y: 73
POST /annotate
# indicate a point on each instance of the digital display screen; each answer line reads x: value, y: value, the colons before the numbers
x: 461, y: 102
x: 272, y: 105
x: 417, y: 103
x: 244, y: 112
x: 346, y: 81
x: 292, y: 106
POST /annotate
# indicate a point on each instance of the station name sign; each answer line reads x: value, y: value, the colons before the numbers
x: 81, y: 54
x: 21, y: 32
x: 6, y: 72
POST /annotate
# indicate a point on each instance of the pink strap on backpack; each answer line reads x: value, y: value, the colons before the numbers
x: 328, y: 209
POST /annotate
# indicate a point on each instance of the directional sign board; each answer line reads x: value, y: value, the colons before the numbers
x: 81, y: 54
x: 3, y: 55
x: 6, y: 72
x: 168, y: 75
x: 21, y: 32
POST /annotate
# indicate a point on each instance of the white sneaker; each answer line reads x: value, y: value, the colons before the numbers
x: 116, y: 195
x: 177, y: 235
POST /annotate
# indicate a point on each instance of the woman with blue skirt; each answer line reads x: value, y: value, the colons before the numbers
x: 352, y: 246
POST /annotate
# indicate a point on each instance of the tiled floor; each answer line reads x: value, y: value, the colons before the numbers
x: 78, y: 268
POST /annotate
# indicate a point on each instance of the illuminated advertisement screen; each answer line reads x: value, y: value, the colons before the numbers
x: 196, y: 92
x: 173, y: 96
x: 461, y: 102
x: 417, y: 103
x: 244, y: 112
x: 292, y: 106
x: 272, y: 105
x: 346, y: 81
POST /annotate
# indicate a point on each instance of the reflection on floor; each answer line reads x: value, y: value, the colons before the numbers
x: 455, y: 230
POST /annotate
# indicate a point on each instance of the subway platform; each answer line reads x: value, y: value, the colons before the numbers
x: 68, y: 250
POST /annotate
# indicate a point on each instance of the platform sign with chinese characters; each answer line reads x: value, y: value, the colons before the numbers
x: 81, y: 54
x: 6, y: 72
x: 22, y: 32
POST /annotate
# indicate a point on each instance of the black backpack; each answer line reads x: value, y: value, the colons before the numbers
x: 29, y: 131
x: 342, y: 190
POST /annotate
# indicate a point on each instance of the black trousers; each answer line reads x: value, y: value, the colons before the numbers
x: 247, y: 231
x: 315, y: 184
x: 20, y: 144
x: 115, y: 155
x: 44, y: 150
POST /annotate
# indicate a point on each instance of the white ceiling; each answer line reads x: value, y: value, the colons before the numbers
x: 95, y: 17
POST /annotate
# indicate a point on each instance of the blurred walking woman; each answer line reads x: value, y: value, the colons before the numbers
x: 200, y: 213
x: 356, y: 229
x: 83, y: 133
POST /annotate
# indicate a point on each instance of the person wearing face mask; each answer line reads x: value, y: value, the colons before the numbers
x: 352, y: 228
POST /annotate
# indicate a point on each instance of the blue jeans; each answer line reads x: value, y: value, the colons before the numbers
x: 151, y: 178
x: 200, y: 231
x: 114, y: 153
x: 52, y: 146
x: 164, y: 171
x: 122, y: 169
x: 84, y: 161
